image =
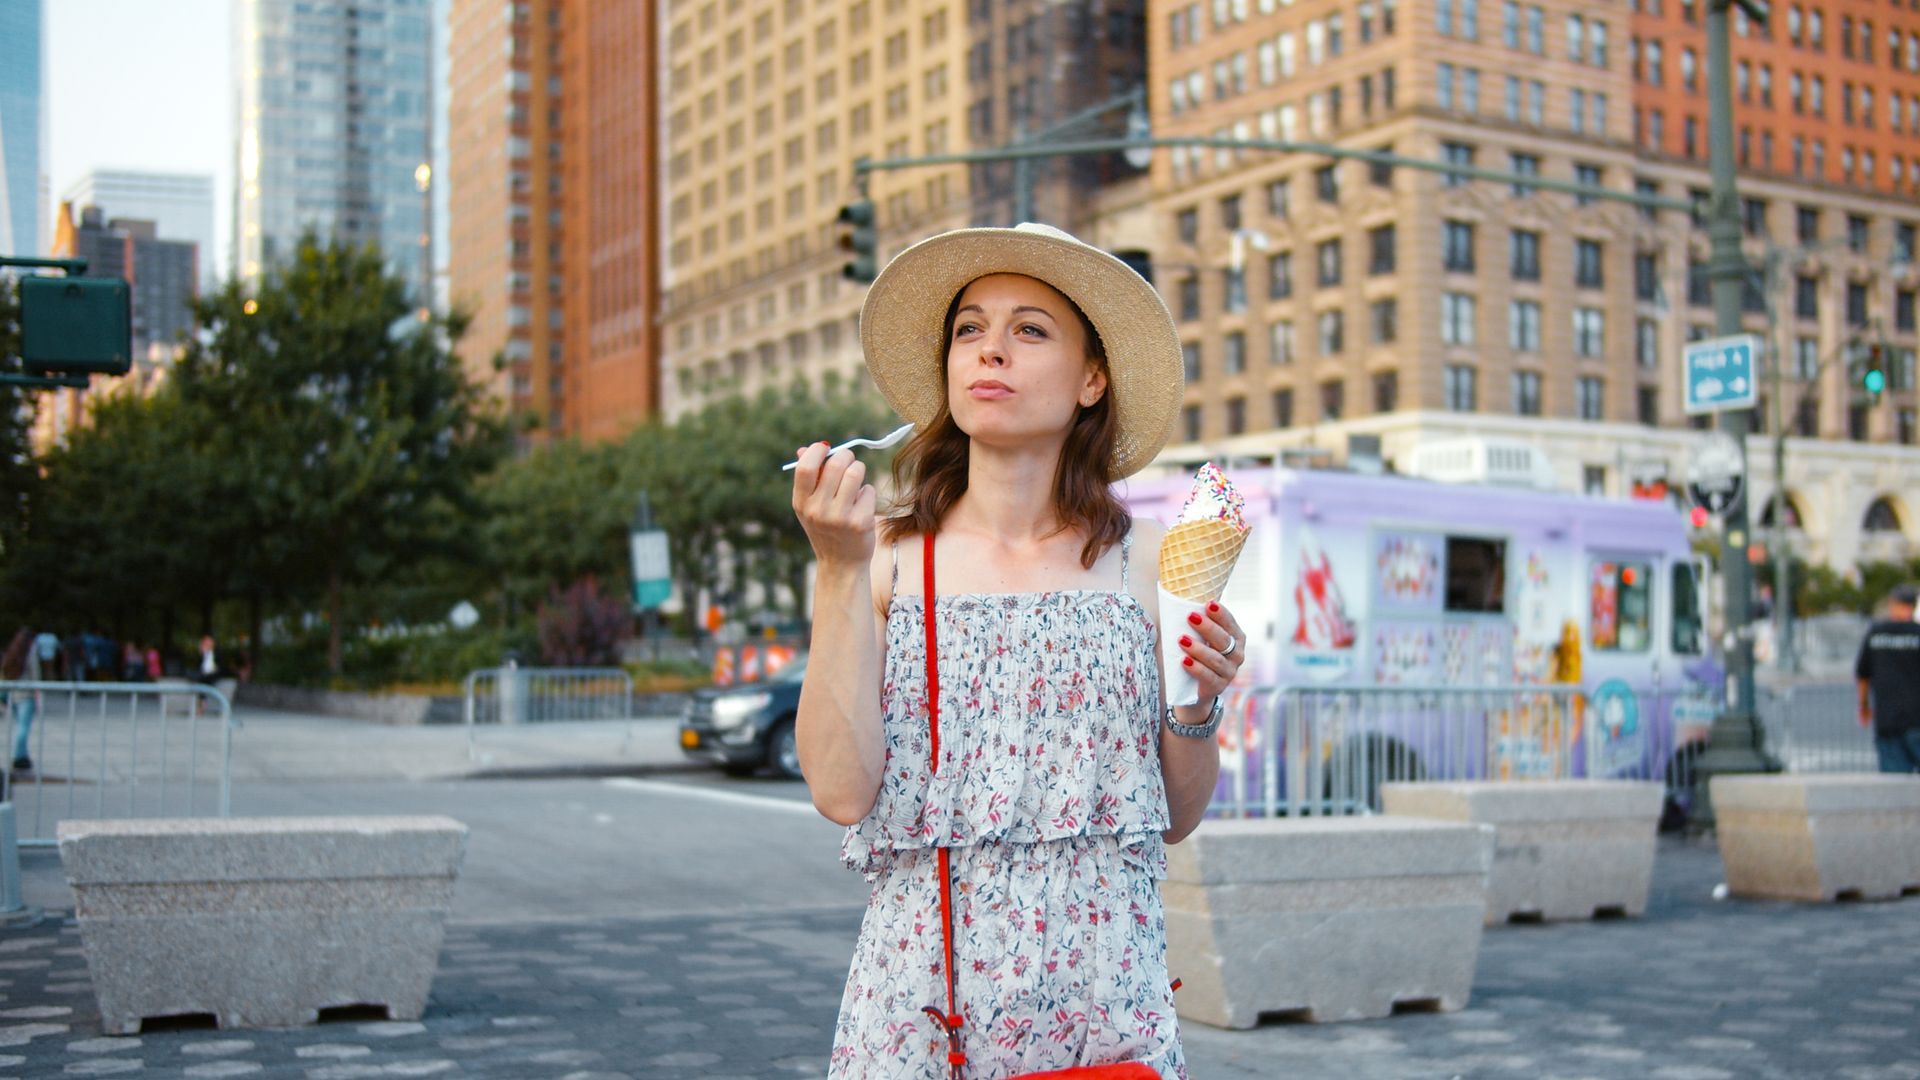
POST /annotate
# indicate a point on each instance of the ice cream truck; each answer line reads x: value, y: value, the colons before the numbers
x: 1385, y: 581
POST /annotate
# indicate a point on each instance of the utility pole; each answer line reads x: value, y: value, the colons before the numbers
x: 1734, y: 744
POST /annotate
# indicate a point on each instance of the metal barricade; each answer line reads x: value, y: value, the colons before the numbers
x: 120, y: 750
x: 1326, y: 750
x: 1815, y: 727
x: 526, y: 695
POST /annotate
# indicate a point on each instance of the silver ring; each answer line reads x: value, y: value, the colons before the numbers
x: 1232, y: 644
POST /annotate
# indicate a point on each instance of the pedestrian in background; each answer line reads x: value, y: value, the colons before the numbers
x: 1039, y: 371
x: 155, y: 667
x: 22, y: 661
x: 1888, y: 674
x: 207, y: 668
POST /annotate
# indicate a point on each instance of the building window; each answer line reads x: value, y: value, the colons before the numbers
x: 1523, y: 325
x: 1523, y: 254
x: 1326, y: 183
x: 1587, y: 176
x: 1590, y: 397
x: 1230, y: 213
x: 1236, y: 415
x: 1589, y: 332
x: 1327, y: 260
x: 1588, y: 262
x: 1459, y: 154
x: 1333, y: 399
x: 1456, y: 318
x: 1333, y: 337
x: 1806, y: 358
x: 1457, y: 246
x: 1593, y: 481
x: 1462, y: 393
x: 1646, y: 275
x: 1537, y: 30
x: 1386, y: 391
x: 1234, y: 283
x: 1187, y: 225
x: 1385, y: 317
x: 1380, y: 248
x: 1190, y: 360
x: 1190, y: 422
x: 1903, y: 300
x: 1279, y: 200
x: 1283, y: 408
x: 1856, y: 304
x: 1806, y: 224
x: 1526, y: 393
x: 1189, y: 299
x: 1280, y: 276
x: 1233, y: 356
x: 1646, y: 344
x: 1647, y: 405
x: 1523, y: 165
x: 1806, y: 297
x: 1856, y: 234
x: 1280, y: 342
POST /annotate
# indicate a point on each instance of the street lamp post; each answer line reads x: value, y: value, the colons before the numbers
x: 1733, y: 745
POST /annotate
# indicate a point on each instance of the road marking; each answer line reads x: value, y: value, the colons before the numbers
x: 659, y: 787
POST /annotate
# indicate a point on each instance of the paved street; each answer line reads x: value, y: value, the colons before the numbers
x: 677, y: 924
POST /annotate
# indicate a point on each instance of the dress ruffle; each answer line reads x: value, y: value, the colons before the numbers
x: 1049, y: 728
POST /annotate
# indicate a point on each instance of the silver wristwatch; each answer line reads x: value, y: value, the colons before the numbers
x: 1203, y: 730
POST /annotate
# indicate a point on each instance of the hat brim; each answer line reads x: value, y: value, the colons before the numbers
x: 904, y: 339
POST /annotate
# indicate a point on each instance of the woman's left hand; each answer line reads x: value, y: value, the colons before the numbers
x: 1215, y: 647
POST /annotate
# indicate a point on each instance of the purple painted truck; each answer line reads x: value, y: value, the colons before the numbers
x: 1422, y: 590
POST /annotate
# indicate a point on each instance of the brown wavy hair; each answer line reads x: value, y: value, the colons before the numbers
x: 930, y: 472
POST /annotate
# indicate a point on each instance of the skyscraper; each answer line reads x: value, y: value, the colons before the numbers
x: 22, y: 129
x: 504, y: 195
x: 333, y: 125
x: 180, y: 206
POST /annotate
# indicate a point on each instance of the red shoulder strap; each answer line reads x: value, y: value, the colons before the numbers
x: 950, y: 1021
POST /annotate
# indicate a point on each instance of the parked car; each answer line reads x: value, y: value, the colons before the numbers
x: 743, y: 728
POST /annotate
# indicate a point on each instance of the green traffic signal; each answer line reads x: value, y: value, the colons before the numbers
x: 1875, y: 381
x: 1873, y: 377
x: 861, y: 241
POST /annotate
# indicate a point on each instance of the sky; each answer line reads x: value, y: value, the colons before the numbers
x: 141, y: 84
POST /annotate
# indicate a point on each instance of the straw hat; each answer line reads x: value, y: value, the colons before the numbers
x: 903, y: 336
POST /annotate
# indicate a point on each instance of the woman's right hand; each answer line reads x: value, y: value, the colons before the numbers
x: 834, y: 503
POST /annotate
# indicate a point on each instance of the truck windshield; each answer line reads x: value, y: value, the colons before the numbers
x: 1686, y: 611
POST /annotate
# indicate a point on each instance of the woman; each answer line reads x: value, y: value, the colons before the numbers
x: 1038, y: 370
x: 22, y: 661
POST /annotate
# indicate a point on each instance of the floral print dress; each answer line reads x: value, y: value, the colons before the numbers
x: 1050, y: 795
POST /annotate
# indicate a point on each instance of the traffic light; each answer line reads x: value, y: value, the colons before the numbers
x: 1873, y: 374
x: 75, y: 326
x: 860, y: 241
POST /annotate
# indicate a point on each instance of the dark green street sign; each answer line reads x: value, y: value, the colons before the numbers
x: 76, y: 325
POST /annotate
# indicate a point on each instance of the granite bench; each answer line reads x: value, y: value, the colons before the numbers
x: 260, y: 922
x: 1819, y: 836
x: 1337, y: 918
x: 1563, y: 849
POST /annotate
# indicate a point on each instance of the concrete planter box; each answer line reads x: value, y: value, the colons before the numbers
x: 1819, y: 836
x: 1324, y: 918
x: 398, y: 709
x: 260, y: 922
x: 1563, y: 849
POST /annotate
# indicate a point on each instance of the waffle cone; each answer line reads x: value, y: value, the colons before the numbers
x: 1197, y: 557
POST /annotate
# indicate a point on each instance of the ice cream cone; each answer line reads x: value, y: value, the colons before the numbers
x: 1197, y: 557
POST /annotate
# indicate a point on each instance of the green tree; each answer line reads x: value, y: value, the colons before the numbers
x: 552, y: 517
x: 345, y: 421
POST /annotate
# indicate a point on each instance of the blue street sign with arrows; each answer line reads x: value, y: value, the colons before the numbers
x: 1720, y: 373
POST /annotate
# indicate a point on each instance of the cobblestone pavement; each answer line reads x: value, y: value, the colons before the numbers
x: 1696, y: 990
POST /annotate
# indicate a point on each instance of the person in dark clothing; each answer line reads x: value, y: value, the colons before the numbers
x: 1888, y: 673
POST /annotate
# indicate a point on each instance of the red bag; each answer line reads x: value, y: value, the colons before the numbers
x: 950, y: 1021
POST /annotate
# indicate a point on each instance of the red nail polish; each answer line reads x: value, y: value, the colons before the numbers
x: 823, y: 442
x: 1212, y: 608
x: 1194, y: 618
x: 1188, y: 661
x: 1186, y: 642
